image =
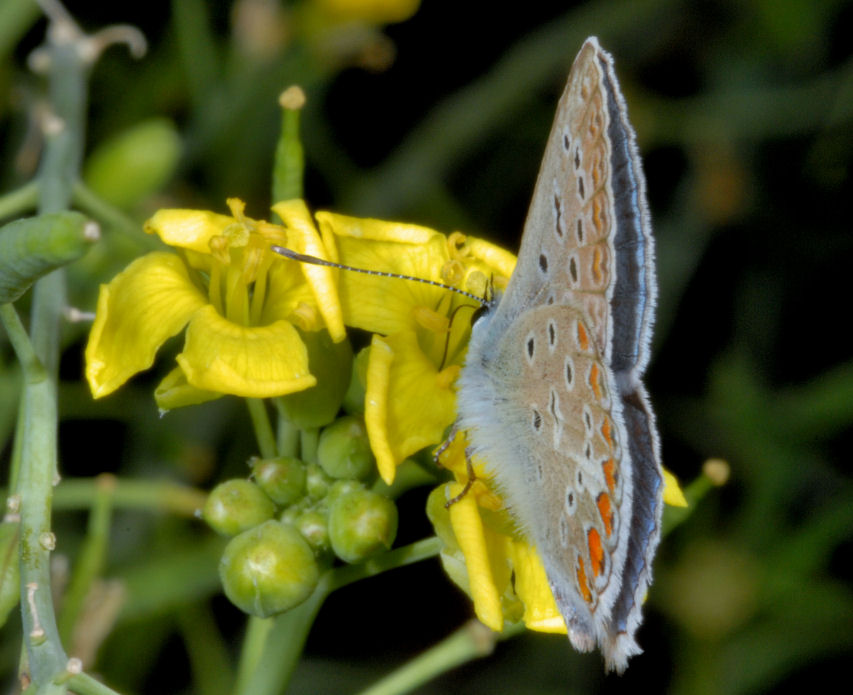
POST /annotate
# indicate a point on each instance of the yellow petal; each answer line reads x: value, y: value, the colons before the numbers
x: 385, y: 304
x: 531, y: 585
x: 288, y: 296
x: 147, y: 303
x: 175, y: 392
x: 375, y: 230
x: 188, y: 229
x: 672, y: 492
x: 468, y: 529
x: 498, y: 259
x: 304, y: 238
x: 253, y: 362
x: 407, y: 403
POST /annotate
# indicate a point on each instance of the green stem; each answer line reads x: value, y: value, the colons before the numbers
x: 91, y: 203
x: 146, y: 495
x: 209, y: 659
x: 90, y: 559
x: 472, y: 641
x: 288, y: 433
x: 399, y: 557
x: 37, y: 426
x: 309, y: 440
x: 14, y: 203
x: 282, y: 648
x: 254, y: 643
x: 263, y: 429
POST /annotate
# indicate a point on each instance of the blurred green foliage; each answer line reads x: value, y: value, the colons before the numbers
x: 744, y: 111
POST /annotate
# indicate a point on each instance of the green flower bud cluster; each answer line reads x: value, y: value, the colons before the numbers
x: 292, y: 518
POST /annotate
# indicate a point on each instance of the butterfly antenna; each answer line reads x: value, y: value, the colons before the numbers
x: 313, y: 260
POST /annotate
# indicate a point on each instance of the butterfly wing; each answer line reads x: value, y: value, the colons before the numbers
x: 577, y: 458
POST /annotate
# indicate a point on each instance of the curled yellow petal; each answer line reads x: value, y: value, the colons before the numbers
x: 174, y: 392
x: 673, y: 495
x: 303, y: 238
x: 188, y: 229
x: 408, y: 404
x: 253, y: 362
x: 531, y: 585
x: 469, y: 532
x: 147, y: 303
x: 380, y: 360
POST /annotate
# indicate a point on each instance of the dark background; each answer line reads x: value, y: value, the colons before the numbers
x: 744, y: 116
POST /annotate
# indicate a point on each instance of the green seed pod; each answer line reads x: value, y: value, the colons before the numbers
x: 282, y: 478
x: 128, y: 168
x: 361, y: 524
x: 268, y: 569
x: 354, y: 397
x: 34, y: 246
x: 344, y: 449
x: 313, y: 525
x: 317, y: 482
x: 330, y: 363
x: 340, y: 488
x: 10, y: 583
x: 235, y: 506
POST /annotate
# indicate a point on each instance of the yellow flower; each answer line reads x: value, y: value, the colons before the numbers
x: 484, y: 553
x: 420, y: 330
x: 240, y: 303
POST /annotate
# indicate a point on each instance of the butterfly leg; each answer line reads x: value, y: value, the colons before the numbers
x: 451, y: 435
x: 472, y: 476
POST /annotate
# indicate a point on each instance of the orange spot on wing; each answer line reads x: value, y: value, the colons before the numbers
x: 597, y: 259
x: 607, y: 432
x: 583, y: 337
x: 583, y: 582
x: 609, y: 467
x: 596, y: 551
x: 599, y: 217
x: 603, y: 504
x: 595, y: 380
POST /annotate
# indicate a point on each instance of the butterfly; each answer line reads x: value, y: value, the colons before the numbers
x: 551, y: 394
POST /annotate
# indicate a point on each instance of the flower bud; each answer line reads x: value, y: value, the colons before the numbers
x: 317, y: 483
x: 344, y: 450
x: 282, y: 478
x: 268, y: 569
x: 134, y: 164
x: 340, y: 488
x: 361, y: 523
x: 313, y: 525
x: 235, y: 506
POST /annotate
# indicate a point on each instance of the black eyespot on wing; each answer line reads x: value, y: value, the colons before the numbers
x: 543, y: 262
x: 531, y: 344
x: 537, y: 420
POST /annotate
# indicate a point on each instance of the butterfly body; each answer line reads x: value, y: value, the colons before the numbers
x: 551, y: 395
